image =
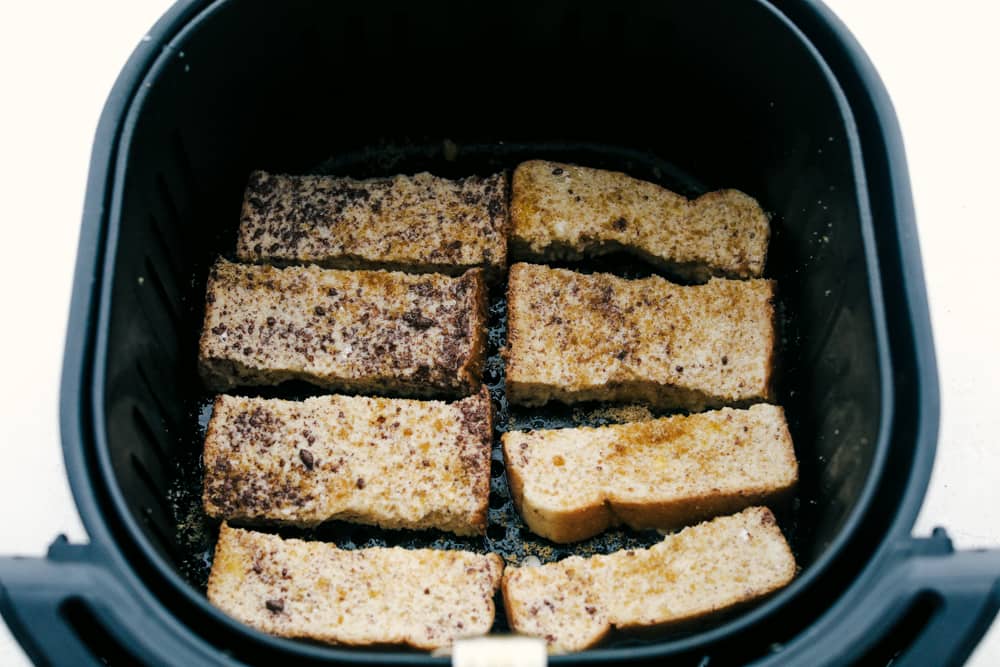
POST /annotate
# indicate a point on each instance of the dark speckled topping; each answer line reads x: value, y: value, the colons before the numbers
x: 357, y: 331
x: 416, y: 223
x: 394, y: 463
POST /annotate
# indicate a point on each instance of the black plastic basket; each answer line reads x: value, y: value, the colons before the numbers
x: 774, y: 98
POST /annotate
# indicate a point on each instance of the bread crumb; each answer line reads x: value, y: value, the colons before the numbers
x: 617, y: 414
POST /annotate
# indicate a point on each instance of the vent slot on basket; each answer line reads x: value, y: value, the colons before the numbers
x: 155, y: 393
x: 169, y: 301
x: 904, y: 631
x: 150, y: 437
x: 92, y: 633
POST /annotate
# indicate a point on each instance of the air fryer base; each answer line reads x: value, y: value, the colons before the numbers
x: 869, y: 592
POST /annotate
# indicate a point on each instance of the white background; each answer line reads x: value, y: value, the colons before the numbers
x: 940, y: 62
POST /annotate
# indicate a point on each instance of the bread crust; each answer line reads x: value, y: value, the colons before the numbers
x: 350, y: 331
x: 571, y: 484
x: 563, y: 211
x: 575, y: 337
x: 419, y: 223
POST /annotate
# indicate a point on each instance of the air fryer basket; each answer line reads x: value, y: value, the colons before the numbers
x: 774, y: 99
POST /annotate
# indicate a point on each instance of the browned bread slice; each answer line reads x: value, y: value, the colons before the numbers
x: 425, y: 598
x: 562, y: 211
x: 352, y: 331
x: 575, y: 337
x: 392, y: 463
x: 571, y: 484
x: 701, y: 570
x: 410, y: 223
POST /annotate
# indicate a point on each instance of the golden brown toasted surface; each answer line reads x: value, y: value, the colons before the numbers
x: 413, y: 223
x: 571, y: 484
x: 574, y: 337
x: 425, y: 598
x: 562, y: 211
x: 393, y: 463
x: 353, y: 331
x: 701, y: 570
